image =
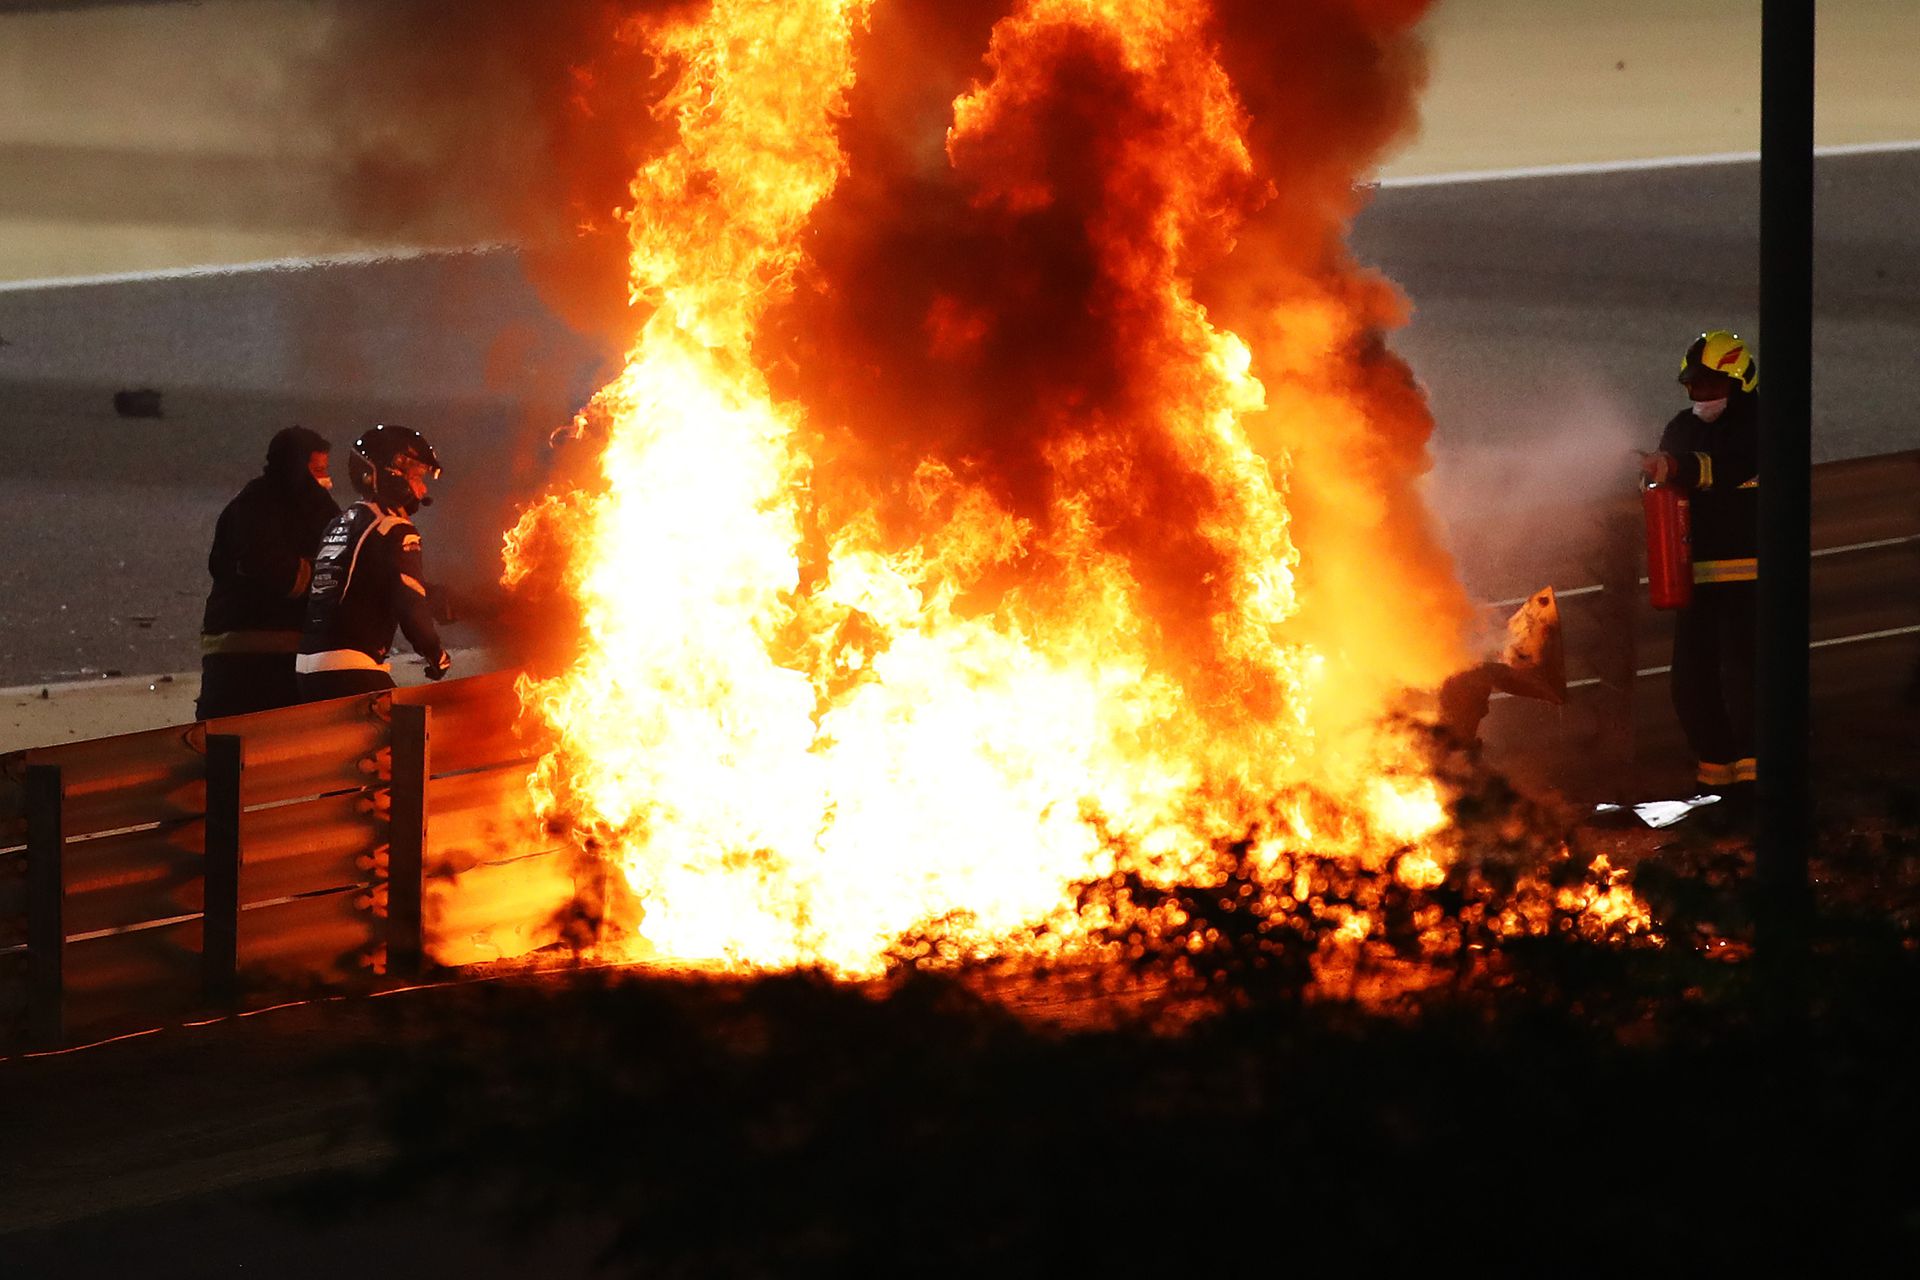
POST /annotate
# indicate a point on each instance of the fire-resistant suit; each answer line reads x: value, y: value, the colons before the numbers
x: 1717, y: 463
x: 368, y: 579
x: 261, y: 561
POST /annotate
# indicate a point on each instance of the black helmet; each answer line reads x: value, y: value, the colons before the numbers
x: 385, y: 462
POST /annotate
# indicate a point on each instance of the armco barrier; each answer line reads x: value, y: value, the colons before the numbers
x: 152, y: 875
x: 1617, y: 726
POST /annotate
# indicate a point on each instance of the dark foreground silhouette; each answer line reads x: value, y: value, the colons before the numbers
x: 1575, y: 1105
x: 1557, y: 1103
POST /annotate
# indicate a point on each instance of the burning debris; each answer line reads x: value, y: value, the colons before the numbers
x: 1007, y: 525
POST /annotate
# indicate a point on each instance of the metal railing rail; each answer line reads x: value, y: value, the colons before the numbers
x: 157, y: 875
x: 177, y: 871
x: 1865, y: 640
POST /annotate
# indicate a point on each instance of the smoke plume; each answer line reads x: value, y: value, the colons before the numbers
x: 986, y: 289
x: 998, y: 303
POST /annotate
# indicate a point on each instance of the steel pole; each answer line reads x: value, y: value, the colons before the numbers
x: 1786, y: 459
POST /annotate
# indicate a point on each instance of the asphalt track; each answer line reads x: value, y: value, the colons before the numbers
x: 1548, y: 314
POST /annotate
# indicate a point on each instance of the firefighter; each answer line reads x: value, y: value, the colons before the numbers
x: 1712, y: 451
x: 368, y: 578
x: 264, y: 544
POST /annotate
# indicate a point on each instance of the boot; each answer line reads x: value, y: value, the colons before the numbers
x: 1733, y: 817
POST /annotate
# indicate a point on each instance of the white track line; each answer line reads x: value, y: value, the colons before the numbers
x: 319, y: 261
x: 1632, y: 166
x: 372, y: 257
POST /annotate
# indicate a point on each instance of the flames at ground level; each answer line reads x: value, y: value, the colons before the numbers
x: 1004, y: 540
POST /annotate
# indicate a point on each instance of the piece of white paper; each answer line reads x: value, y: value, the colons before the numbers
x: 1664, y: 813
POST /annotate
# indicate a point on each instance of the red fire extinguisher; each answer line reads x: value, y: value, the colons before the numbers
x: 1669, y: 546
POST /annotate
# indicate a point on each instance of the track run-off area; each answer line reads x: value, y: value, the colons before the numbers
x: 1580, y: 199
x: 1547, y: 308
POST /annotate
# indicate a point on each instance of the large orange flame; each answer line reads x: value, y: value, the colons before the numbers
x: 829, y: 694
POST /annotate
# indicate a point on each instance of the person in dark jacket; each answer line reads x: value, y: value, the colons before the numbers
x: 369, y: 576
x: 262, y: 561
x: 1712, y: 450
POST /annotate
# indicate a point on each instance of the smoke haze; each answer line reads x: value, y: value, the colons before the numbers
x: 1514, y: 507
x: 979, y: 292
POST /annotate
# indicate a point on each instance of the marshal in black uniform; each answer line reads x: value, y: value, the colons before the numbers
x: 261, y: 564
x: 369, y: 577
x: 1712, y: 450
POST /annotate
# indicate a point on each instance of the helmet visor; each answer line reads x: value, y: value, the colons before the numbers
x: 414, y: 470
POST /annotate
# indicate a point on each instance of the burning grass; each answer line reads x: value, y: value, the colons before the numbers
x: 1233, y: 1109
x: 1285, y: 906
x: 1674, y: 1104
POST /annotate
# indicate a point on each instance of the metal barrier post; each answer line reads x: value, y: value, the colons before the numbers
x: 1786, y: 451
x: 46, y: 904
x: 220, y: 920
x: 407, y: 838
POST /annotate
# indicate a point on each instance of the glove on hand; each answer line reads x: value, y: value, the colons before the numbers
x: 438, y: 665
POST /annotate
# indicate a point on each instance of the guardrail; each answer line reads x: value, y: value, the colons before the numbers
x: 1617, y: 730
x: 156, y: 875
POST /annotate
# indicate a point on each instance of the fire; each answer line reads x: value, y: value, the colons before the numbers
x: 823, y: 703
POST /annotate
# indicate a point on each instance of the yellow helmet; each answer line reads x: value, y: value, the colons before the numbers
x: 1721, y: 352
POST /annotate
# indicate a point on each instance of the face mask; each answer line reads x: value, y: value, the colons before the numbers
x: 1708, y: 410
